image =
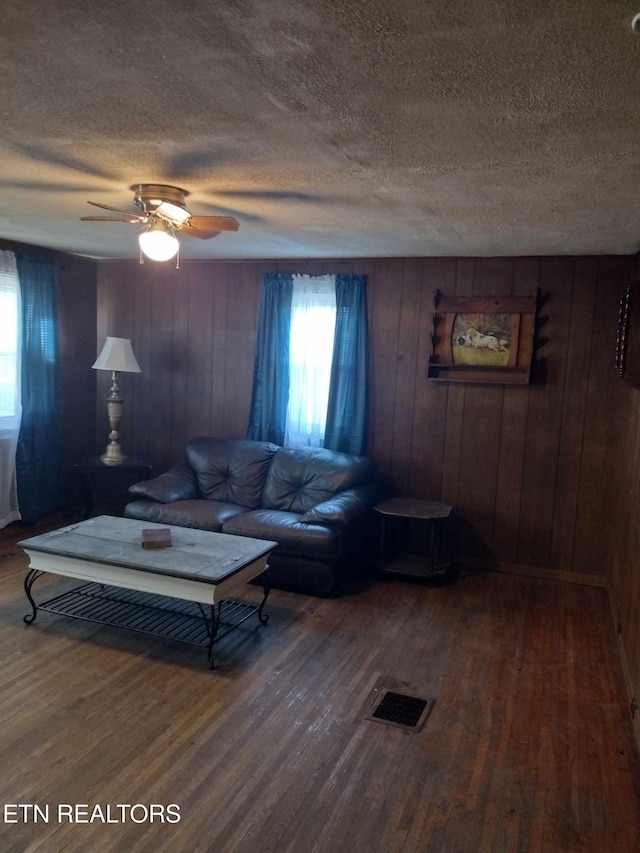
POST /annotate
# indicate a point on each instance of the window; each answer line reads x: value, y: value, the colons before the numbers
x: 310, y: 371
x: 9, y: 343
x: 313, y: 321
x: 10, y: 407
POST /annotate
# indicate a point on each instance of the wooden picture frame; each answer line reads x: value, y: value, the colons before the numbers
x: 483, y: 339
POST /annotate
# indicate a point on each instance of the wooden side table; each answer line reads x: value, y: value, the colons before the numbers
x: 103, y: 487
x: 415, y: 538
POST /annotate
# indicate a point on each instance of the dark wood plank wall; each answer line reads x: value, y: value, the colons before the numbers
x: 527, y: 468
x: 77, y: 317
x: 624, y: 575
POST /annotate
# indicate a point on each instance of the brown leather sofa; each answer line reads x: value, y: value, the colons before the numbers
x: 317, y: 504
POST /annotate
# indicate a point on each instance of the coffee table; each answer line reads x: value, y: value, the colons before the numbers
x: 160, y: 591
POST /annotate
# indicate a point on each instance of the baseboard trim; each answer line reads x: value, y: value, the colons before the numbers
x: 581, y: 578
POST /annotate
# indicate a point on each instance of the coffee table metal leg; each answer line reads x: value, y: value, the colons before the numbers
x: 215, y: 620
x: 31, y: 578
x: 213, y: 630
x: 266, y: 586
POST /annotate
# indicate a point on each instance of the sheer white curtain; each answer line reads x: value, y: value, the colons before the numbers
x: 313, y: 320
x: 10, y: 407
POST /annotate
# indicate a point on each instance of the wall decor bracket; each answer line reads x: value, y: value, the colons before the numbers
x: 486, y: 339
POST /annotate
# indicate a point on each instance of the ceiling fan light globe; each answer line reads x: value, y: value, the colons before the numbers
x: 158, y: 245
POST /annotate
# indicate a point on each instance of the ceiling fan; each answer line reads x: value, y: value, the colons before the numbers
x: 163, y: 214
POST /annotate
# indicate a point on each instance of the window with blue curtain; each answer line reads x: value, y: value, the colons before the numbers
x: 311, y: 367
x: 38, y: 455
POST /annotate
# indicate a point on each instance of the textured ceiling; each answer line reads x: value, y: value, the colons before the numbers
x: 328, y: 128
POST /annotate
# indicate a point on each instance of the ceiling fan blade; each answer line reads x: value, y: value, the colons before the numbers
x: 211, y: 223
x: 241, y: 215
x: 202, y: 233
x: 131, y: 219
x: 128, y: 213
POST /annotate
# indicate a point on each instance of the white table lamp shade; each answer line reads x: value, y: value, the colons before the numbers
x: 117, y: 355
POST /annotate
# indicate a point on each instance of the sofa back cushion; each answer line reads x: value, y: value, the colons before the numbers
x: 230, y: 470
x: 300, y: 478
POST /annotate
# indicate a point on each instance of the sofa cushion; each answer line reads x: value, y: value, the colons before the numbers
x: 177, y: 484
x: 293, y: 536
x: 201, y: 514
x: 300, y: 478
x: 230, y: 470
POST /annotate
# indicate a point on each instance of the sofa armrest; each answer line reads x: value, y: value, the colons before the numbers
x: 348, y: 507
x: 177, y: 484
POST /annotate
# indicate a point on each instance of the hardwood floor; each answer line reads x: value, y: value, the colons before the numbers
x: 528, y: 747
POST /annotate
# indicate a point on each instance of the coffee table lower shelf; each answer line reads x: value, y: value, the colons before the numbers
x: 157, y: 615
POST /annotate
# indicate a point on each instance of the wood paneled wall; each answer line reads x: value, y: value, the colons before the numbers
x: 624, y: 568
x: 528, y: 469
x: 77, y: 297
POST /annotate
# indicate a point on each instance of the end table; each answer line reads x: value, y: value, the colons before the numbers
x: 105, y: 487
x: 415, y: 538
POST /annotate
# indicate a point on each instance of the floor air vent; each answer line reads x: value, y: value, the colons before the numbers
x: 398, y: 709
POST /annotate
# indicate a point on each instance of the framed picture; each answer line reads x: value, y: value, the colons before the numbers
x: 482, y: 338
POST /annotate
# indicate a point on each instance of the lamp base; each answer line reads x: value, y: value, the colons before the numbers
x: 113, y: 455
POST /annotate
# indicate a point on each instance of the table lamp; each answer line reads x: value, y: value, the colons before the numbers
x: 116, y: 356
